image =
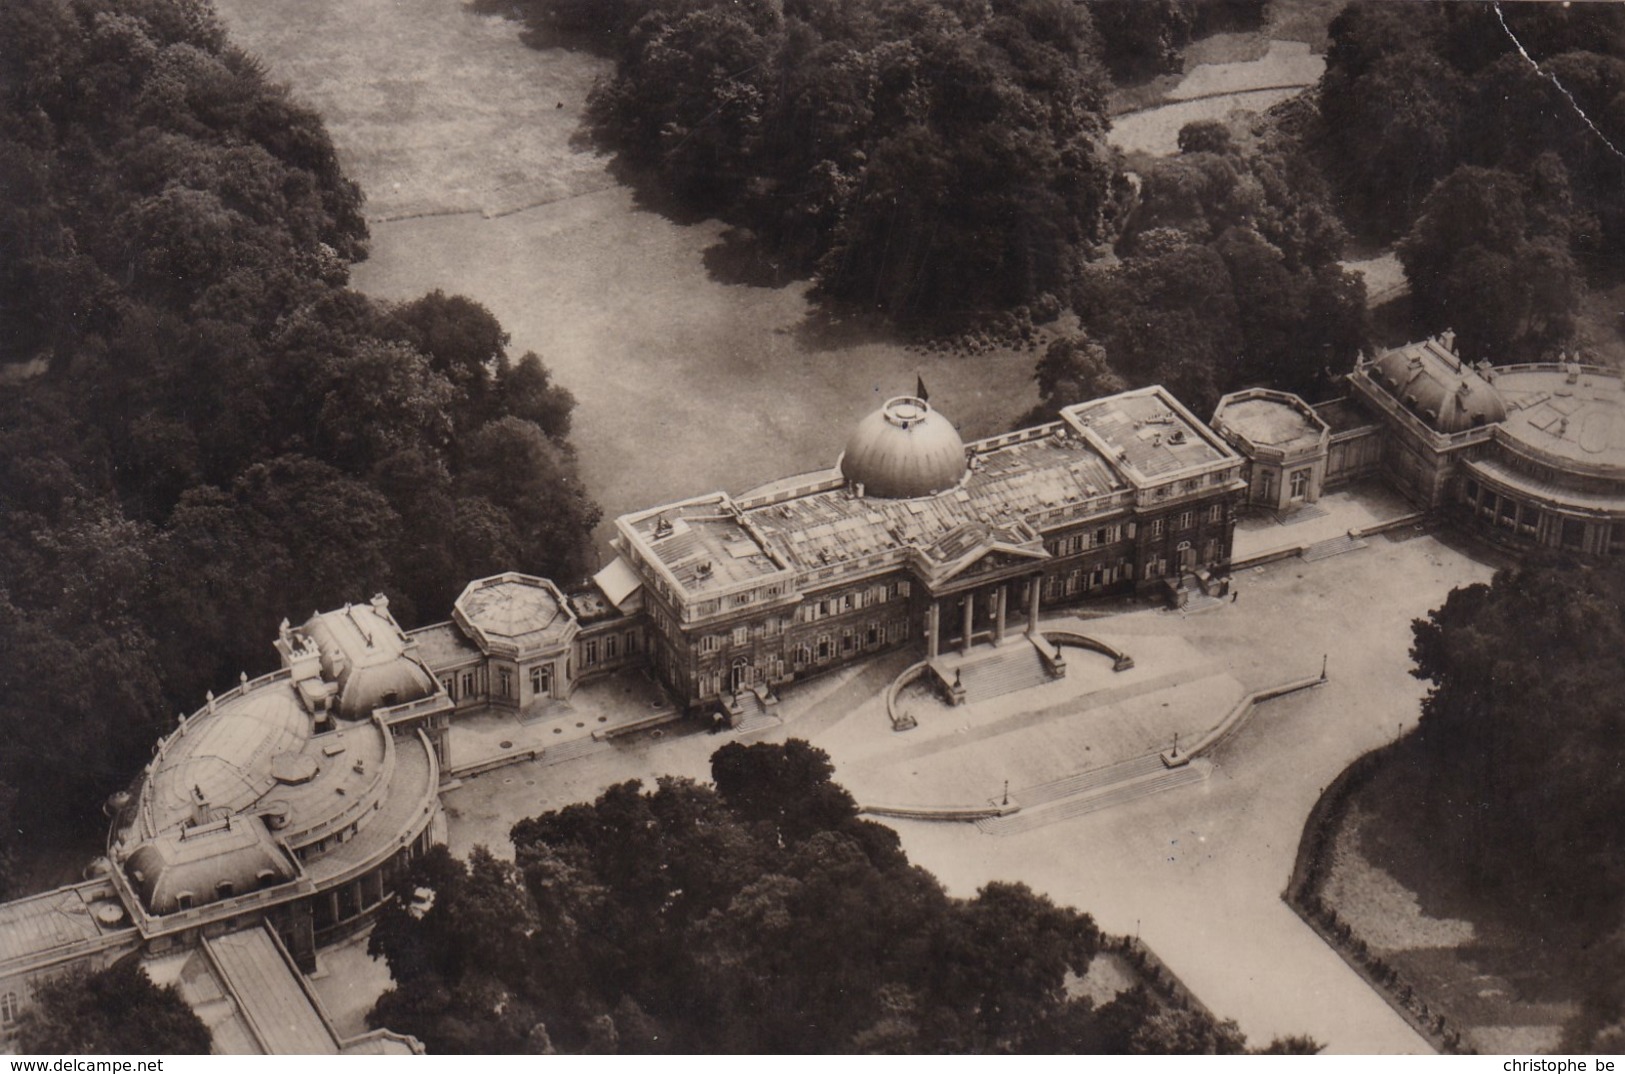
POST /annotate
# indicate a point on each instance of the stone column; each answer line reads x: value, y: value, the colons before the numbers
x: 932, y: 630
x: 1033, y: 585
x: 1000, y: 596
x: 970, y: 621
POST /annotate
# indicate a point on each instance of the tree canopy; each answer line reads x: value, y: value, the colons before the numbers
x: 118, y: 1011
x: 1412, y: 92
x: 1227, y: 271
x: 1520, y: 737
x: 203, y: 429
x: 928, y: 161
x: 761, y: 915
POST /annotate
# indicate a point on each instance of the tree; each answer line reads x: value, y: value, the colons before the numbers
x: 1483, y: 260
x: 787, y: 786
x: 925, y: 161
x: 118, y: 1011
x: 1073, y: 369
x: 763, y: 916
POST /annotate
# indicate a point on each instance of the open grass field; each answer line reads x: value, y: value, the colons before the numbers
x: 1500, y: 986
x: 463, y: 138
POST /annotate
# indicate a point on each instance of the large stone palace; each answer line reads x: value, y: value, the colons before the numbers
x: 272, y: 821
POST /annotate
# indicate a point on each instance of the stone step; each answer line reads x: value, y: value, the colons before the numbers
x: 759, y: 721
x: 1101, y: 798
x: 1081, y: 782
x: 1335, y: 546
x: 1006, y: 673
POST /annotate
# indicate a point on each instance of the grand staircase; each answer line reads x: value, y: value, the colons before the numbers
x: 1012, y: 668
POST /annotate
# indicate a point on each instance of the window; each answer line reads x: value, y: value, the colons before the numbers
x: 468, y: 684
x: 538, y: 681
x: 610, y: 652
x: 1157, y: 527
x: 505, y: 681
x: 823, y: 647
x: 1300, y: 484
x: 1187, y: 519
x: 803, y: 655
x: 709, y: 644
x: 1216, y: 513
x: 871, y: 637
x: 589, y: 653
x: 449, y: 684
x: 631, y: 643
x: 846, y: 641
x: 741, y: 635
x: 9, y: 1008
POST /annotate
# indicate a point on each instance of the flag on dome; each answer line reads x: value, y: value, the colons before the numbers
x: 919, y: 389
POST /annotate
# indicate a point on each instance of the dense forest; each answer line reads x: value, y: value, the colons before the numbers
x: 202, y: 428
x: 761, y: 915
x: 1486, y: 138
x: 1523, y: 788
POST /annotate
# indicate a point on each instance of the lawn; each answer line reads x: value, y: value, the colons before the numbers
x: 465, y: 140
x: 1498, y: 984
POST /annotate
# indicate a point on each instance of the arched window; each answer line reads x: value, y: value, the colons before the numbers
x: 9, y: 1008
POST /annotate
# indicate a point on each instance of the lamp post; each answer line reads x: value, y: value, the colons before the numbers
x: 1006, y: 792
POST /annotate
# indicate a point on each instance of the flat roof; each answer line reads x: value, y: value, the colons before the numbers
x: 441, y: 645
x: 256, y: 748
x: 816, y: 521
x: 703, y: 545
x: 273, y: 1002
x: 520, y: 609
x: 1149, y: 432
x: 64, y: 917
x: 1583, y: 421
x: 412, y: 783
x: 1273, y: 423
x: 1344, y: 415
x: 1537, y: 489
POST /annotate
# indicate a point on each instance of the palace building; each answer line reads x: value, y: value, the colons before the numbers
x: 914, y: 536
x: 271, y: 822
x: 1527, y: 456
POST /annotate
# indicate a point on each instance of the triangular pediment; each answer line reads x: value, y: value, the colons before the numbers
x: 992, y: 560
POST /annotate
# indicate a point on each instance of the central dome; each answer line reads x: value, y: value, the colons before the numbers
x: 904, y: 449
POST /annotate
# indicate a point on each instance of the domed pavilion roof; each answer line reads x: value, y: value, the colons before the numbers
x: 903, y: 450
x: 1438, y: 387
